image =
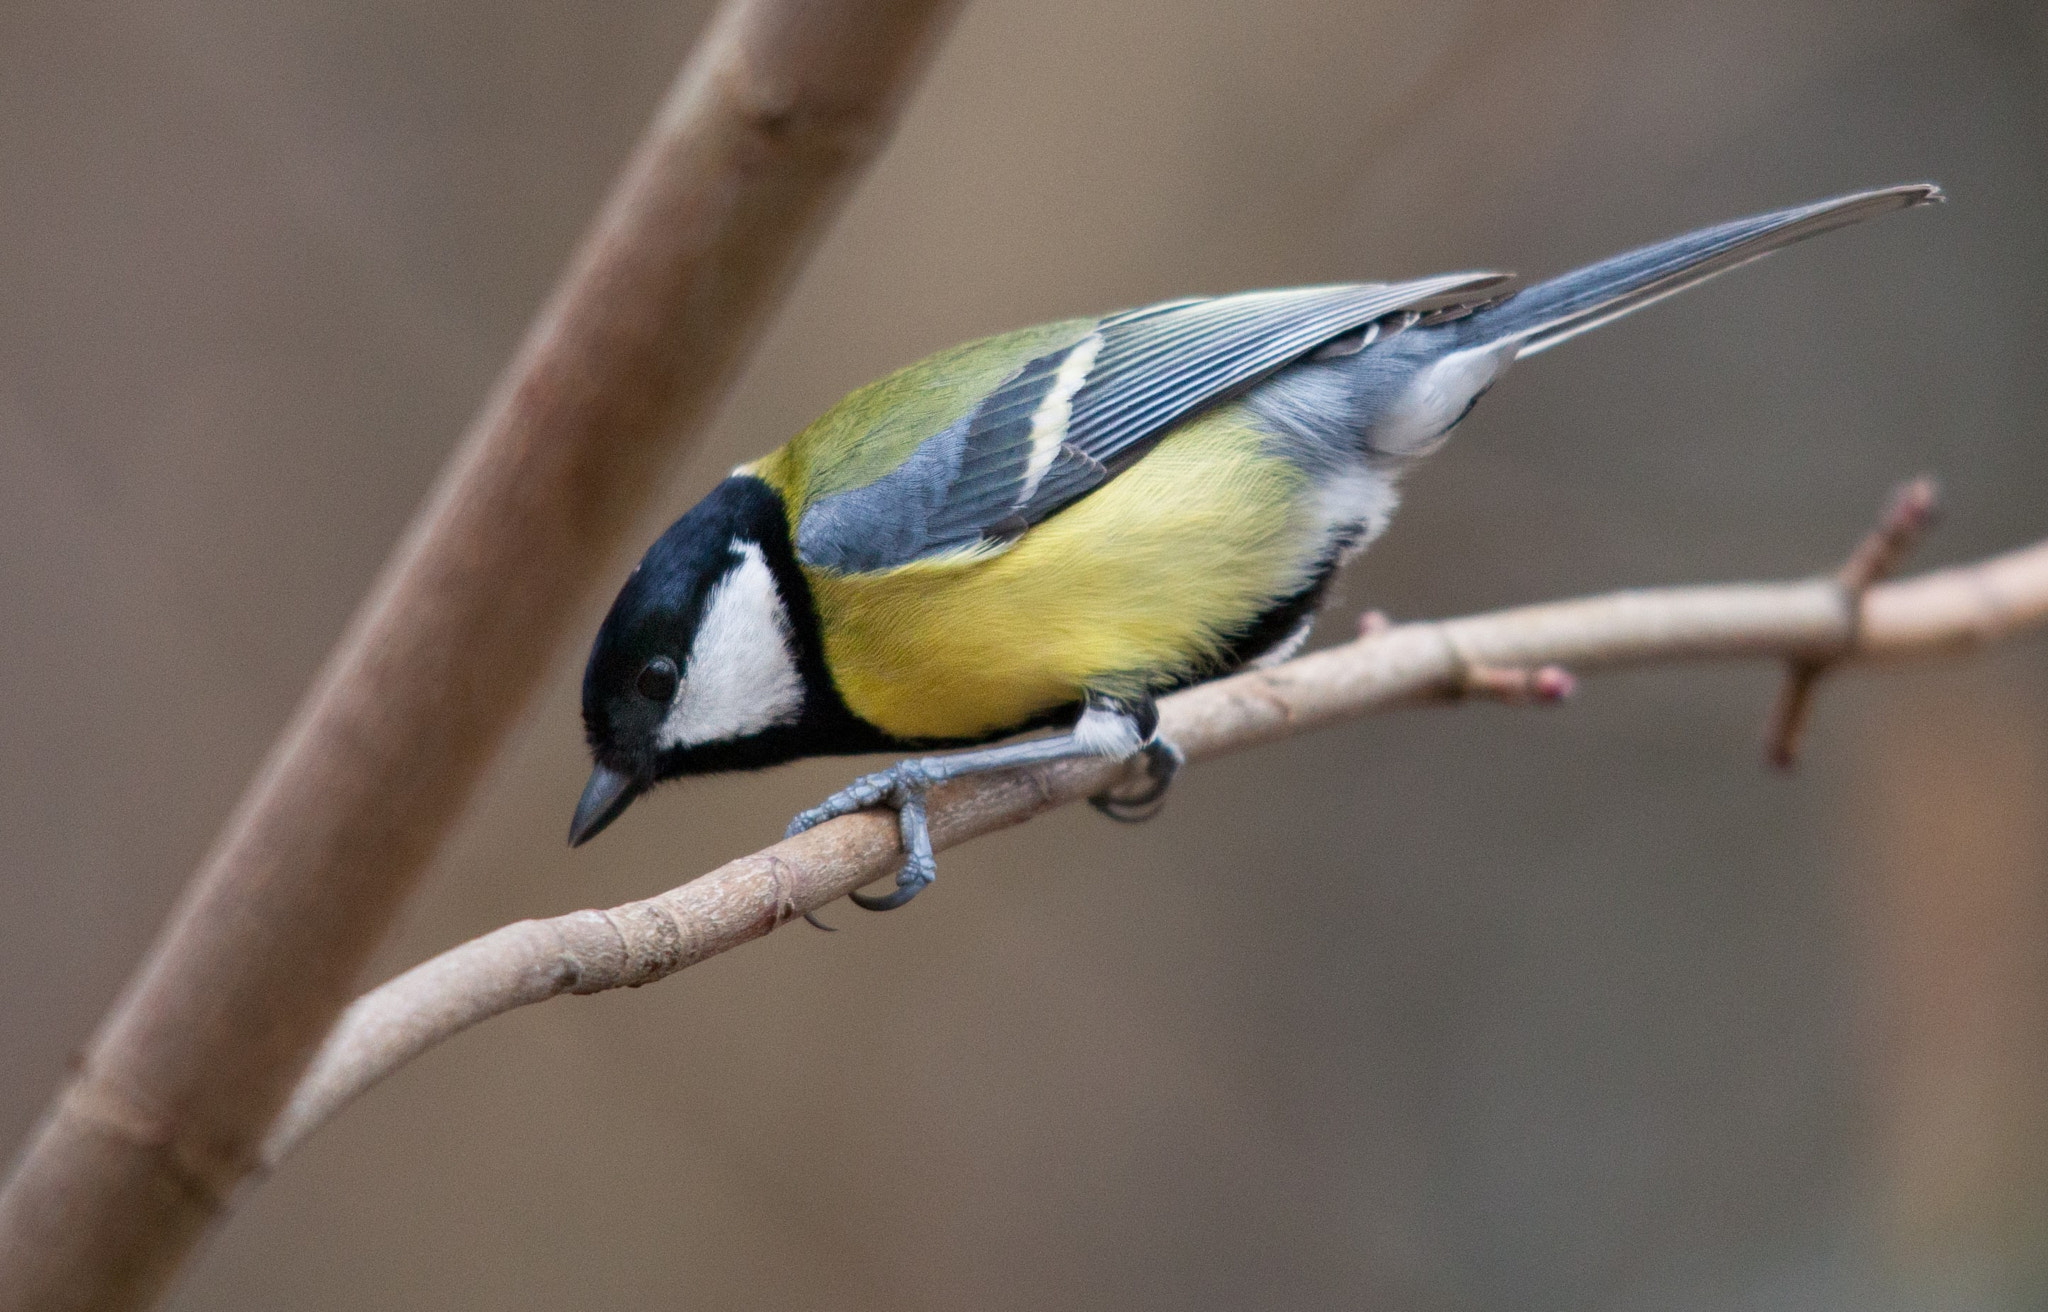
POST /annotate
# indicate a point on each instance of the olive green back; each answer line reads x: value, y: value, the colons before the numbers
x: 876, y: 427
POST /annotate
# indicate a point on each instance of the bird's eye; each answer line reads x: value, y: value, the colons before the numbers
x: 658, y: 679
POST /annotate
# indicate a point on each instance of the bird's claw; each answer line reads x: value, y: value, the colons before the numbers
x: 904, y: 785
x: 903, y: 892
x: 1162, y: 762
x: 901, y: 787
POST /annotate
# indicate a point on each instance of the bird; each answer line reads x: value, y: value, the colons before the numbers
x: 1051, y: 528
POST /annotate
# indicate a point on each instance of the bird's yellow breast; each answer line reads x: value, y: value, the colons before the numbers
x: 1140, y: 583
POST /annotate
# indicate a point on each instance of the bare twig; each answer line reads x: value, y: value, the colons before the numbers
x: 1881, y: 552
x: 1388, y: 666
x: 777, y: 113
x: 1519, y: 686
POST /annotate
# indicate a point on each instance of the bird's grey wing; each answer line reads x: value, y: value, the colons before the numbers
x: 1068, y: 421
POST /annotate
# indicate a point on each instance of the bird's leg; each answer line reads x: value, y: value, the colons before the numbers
x: 1163, y: 760
x: 1109, y: 727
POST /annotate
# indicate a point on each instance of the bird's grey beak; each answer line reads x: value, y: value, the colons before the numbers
x: 605, y: 798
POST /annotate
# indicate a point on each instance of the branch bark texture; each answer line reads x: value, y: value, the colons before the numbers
x: 765, y: 131
x: 1814, y: 622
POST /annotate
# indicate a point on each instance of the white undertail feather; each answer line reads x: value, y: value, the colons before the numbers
x: 741, y: 676
x: 1440, y: 393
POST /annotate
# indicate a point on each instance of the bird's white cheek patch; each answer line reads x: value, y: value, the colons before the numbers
x: 741, y: 676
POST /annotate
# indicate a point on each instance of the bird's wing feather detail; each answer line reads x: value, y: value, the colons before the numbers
x: 1069, y: 420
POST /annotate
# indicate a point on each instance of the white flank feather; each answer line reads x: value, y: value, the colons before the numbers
x: 1108, y: 733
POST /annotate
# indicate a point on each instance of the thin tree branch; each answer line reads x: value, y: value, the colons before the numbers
x: 1876, y: 558
x: 777, y: 113
x: 1515, y: 654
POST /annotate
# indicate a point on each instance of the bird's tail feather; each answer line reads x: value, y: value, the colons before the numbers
x: 1540, y: 317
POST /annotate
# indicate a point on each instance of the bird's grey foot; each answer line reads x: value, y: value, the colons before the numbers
x: 1162, y: 762
x: 1112, y: 727
x: 901, y: 787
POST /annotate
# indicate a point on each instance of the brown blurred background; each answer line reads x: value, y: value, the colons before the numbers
x: 1484, y: 1009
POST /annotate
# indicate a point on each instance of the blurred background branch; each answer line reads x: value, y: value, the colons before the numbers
x: 763, y: 134
x: 1504, y: 656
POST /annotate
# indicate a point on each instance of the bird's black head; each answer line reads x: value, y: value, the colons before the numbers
x: 709, y: 659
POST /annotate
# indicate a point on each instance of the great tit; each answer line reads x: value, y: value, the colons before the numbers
x: 1051, y: 528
